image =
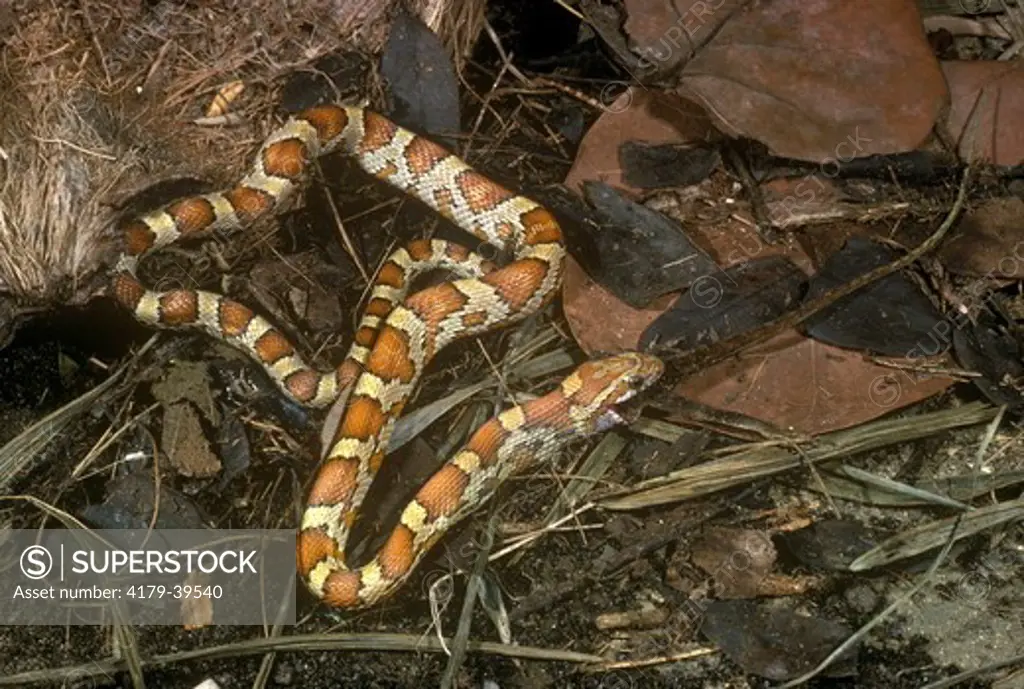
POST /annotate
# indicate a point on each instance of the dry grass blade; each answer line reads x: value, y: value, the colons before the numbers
x: 68, y: 520
x: 460, y: 644
x: 760, y: 462
x: 127, y: 647
x: 596, y: 465
x: 971, y: 486
x: 658, y: 429
x: 929, y: 536
x: 971, y: 674
x: 544, y: 365
x: 493, y: 601
x: 406, y: 643
x: 414, y: 423
x: 878, y: 490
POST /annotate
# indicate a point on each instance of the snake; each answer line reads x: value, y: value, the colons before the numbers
x: 399, y: 334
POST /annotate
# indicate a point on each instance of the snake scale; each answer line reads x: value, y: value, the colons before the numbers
x: 398, y: 335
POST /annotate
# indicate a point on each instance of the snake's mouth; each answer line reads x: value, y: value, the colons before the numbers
x: 617, y: 415
x: 609, y: 418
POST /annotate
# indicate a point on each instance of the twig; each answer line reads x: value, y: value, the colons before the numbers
x: 659, y: 660
x: 571, y: 10
x: 702, y: 357
x: 971, y: 674
x: 346, y: 241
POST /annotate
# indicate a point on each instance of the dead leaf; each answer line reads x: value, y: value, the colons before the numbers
x: 821, y: 79
x: 600, y: 322
x: 638, y: 115
x: 665, y: 33
x: 738, y: 560
x: 421, y: 80
x: 774, y: 642
x: 984, y: 119
x: 184, y: 441
x: 989, y: 241
x: 795, y: 382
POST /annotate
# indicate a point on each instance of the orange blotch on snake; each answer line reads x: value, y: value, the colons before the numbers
x: 249, y: 203
x: 192, y: 215
x: 347, y: 373
x: 285, y: 158
x: 437, y: 303
x: 272, y: 345
x: 379, y: 307
x: 475, y: 319
x: 519, y: 282
x: 303, y: 384
x: 341, y: 589
x: 378, y: 132
x: 138, y: 238
x: 365, y: 337
x: 441, y: 494
x: 363, y: 418
x: 420, y: 250
x: 312, y: 547
x: 540, y: 227
x: 335, y: 482
x: 390, y: 358
x: 179, y: 307
x: 391, y: 275
x: 486, y: 441
x: 481, y: 193
x: 396, y: 556
x: 329, y: 121
x: 423, y: 155
x: 233, y: 317
x: 127, y: 290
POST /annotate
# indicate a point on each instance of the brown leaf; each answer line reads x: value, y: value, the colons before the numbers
x: 799, y: 383
x: 590, y: 308
x: 184, y: 441
x: 637, y: 115
x: 821, y: 79
x: 984, y: 119
x: 667, y: 32
x: 989, y: 241
x: 738, y: 560
x: 600, y: 322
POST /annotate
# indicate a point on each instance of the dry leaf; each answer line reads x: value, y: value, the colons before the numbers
x: 821, y: 79
x: 985, y: 114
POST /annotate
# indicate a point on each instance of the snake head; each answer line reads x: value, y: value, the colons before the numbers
x: 596, y: 388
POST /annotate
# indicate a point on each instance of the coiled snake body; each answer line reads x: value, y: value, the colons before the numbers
x: 398, y: 336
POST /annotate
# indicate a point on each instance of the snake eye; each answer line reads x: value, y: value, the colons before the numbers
x: 635, y: 381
